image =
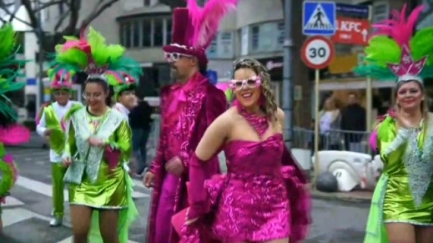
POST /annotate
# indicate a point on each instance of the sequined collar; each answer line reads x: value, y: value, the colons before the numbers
x: 259, y: 123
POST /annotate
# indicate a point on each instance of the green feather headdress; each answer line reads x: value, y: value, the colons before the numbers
x: 8, y: 73
x: 92, y: 55
x: 394, y: 53
x: 129, y: 84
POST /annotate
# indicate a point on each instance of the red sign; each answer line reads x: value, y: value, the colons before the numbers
x: 351, y: 31
x: 317, y: 52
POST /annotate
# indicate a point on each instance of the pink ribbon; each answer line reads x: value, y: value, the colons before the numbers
x: 179, y: 96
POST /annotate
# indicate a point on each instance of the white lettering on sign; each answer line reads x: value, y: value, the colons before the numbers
x: 349, y: 26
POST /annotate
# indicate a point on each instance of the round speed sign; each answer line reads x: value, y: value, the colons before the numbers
x: 317, y: 52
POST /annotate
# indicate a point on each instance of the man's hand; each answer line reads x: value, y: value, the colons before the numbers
x: 67, y: 161
x: 175, y: 166
x: 47, y: 132
x: 149, y: 179
x: 96, y: 142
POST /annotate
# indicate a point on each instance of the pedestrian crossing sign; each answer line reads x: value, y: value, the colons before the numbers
x: 319, y: 18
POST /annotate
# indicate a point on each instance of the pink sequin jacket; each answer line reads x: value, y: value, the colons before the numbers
x: 202, y: 102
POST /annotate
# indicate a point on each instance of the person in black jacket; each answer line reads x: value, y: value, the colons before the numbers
x: 140, y: 121
x: 353, y: 122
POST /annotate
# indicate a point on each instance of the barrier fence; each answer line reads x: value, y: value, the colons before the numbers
x: 302, y: 139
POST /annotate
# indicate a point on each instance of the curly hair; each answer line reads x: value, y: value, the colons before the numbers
x: 269, y: 106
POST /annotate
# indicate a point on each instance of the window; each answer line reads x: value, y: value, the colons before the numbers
x: 168, y: 31
x: 145, y: 32
x: 127, y: 35
x: 281, y: 34
x: 146, y: 28
x: 136, y: 34
x: 255, y: 32
x: 266, y: 37
x: 147, y: 3
x: 222, y: 46
x: 211, y: 52
x: 225, y: 47
x: 158, y: 32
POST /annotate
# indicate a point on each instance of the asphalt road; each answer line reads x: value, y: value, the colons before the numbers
x: 26, y: 214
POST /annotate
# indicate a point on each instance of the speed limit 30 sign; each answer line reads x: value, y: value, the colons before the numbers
x: 317, y: 52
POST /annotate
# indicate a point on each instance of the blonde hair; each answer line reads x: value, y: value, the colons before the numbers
x: 269, y: 106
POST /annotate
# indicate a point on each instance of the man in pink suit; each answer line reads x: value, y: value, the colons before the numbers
x: 188, y: 107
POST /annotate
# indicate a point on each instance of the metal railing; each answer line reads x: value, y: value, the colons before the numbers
x: 341, y: 140
x: 302, y: 139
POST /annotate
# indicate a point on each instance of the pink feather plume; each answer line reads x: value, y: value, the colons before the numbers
x: 398, y: 27
x: 14, y: 135
x: 206, y: 20
x: 373, y: 140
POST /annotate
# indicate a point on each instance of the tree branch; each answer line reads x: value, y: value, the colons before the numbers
x: 32, y: 14
x: 12, y: 16
x: 61, y: 19
x: 100, y: 7
x: 48, y: 4
x: 73, y: 17
x: 5, y: 8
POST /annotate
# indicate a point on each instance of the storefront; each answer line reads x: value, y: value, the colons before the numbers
x: 275, y: 68
x: 339, y: 81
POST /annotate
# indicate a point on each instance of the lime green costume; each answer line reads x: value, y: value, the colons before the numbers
x: 404, y: 193
x: 51, y: 119
x: 98, y: 176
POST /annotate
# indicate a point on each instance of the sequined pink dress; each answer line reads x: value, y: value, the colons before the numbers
x: 253, y: 204
x: 261, y: 198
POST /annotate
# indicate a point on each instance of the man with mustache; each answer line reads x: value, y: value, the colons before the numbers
x: 188, y: 107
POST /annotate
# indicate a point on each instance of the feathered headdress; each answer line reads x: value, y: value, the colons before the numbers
x: 194, y: 27
x: 8, y: 73
x: 62, y: 79
x: 10, y: 132
x: 129, y: 84
x: 395, y: 53
x: 92, y: 55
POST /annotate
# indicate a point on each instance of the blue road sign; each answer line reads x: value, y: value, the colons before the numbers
x: 319, y: 18
x: 212, y: 76
x: 353, y: 10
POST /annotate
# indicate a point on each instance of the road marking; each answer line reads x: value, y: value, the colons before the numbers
x: 11, y: 202
x: 46, y: 189
x: 138, y: 183
x: 69, y: 240
x: 15, y: 215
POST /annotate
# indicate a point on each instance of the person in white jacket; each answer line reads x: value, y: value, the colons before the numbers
x: 51, y: 127
x: 124, y: 95
x: 126, y: 100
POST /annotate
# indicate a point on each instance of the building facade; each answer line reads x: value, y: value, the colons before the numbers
x: 255, y: 30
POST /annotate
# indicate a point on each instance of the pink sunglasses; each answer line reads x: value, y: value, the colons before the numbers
x: 252, y: 82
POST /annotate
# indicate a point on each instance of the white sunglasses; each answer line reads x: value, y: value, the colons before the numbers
x: 174, y: 56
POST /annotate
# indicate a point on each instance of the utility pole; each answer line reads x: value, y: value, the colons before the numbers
x: 39, y: 33
x: 287, y: 74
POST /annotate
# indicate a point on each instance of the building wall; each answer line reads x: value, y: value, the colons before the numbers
x: 238, y: 38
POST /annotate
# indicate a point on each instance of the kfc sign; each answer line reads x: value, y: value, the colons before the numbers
x: 351, y: 31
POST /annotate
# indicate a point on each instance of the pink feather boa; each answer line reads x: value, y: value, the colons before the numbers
x: 14, y: 135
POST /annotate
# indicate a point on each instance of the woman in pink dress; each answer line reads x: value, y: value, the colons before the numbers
x: 262, y: 197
